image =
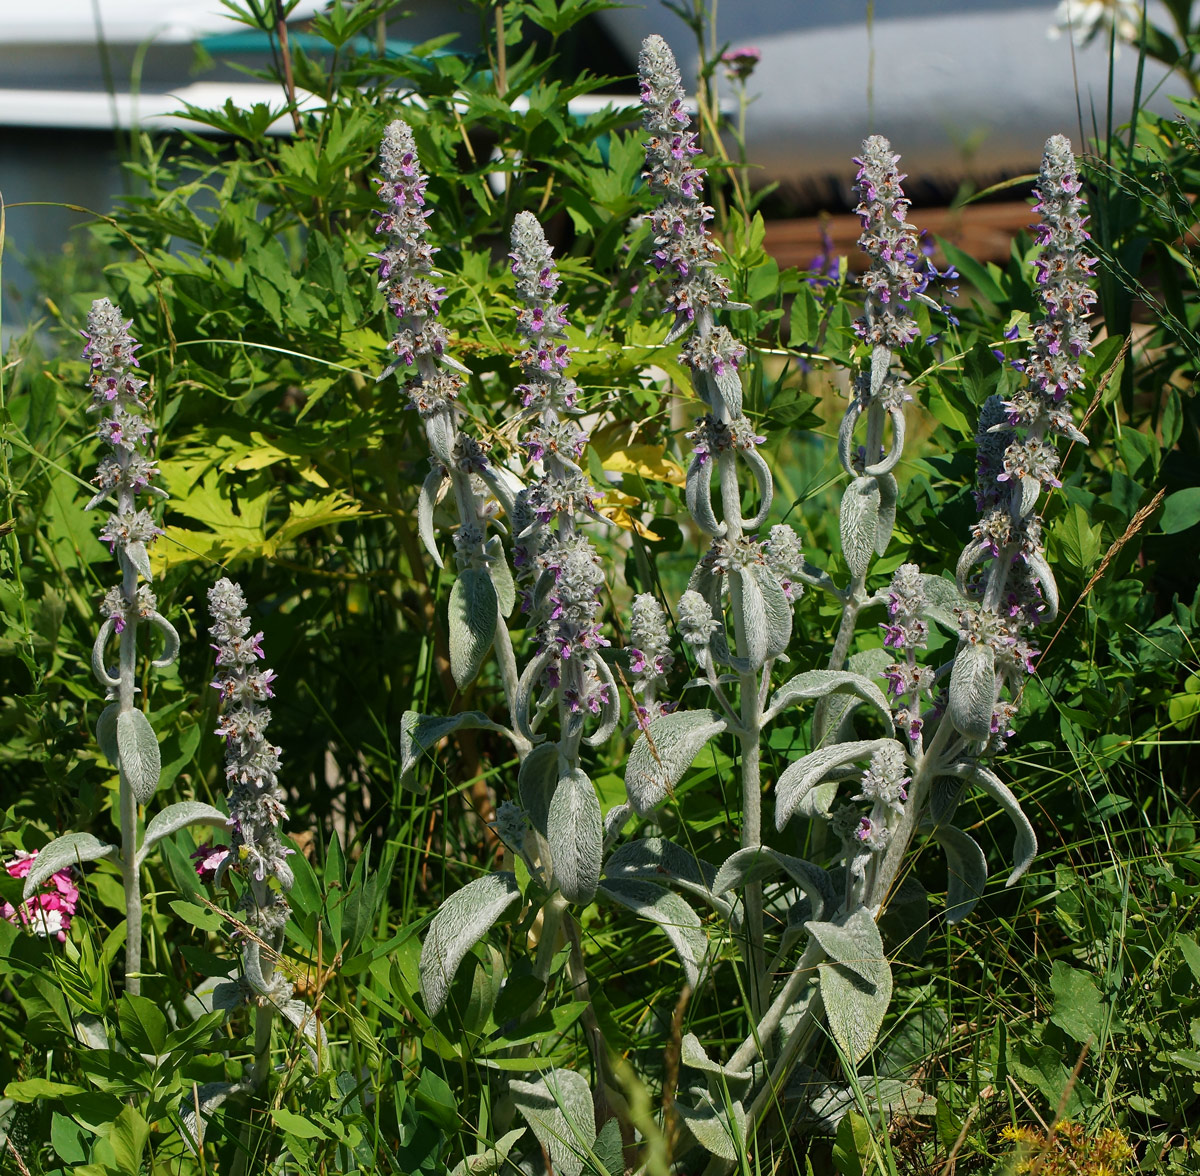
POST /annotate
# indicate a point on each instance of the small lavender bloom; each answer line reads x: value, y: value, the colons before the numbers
x: 256, y: 800
x: 739, y: 63
x: 891, y: 243
x: 682, y: 244
x: 906, y: 627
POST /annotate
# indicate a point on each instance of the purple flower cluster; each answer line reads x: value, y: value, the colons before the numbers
x: 560, y: 567
x: 896, y: 274
x: 906, y: 631
x: 121, y: 397
x: 649, y: 653
x: 1016, y: 456
x: 256, y: 799
x: 682, y: 244
x: 406, y: 266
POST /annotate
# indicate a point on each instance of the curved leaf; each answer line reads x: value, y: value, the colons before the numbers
x: 472, y: 619
x: 418, y: 733
x: 575, y: 832
x: 559, y: 1111
x: 941, y: 599
x: 536, y: 781
x: 797, y: 788
x: 1025, y: 845
x: 68, y: 850
x: 664, y: 752
x: 966, y: 871
x: 777, y: 607
x: 426, y: 501
x: 137, y: 752
x: 749, y: 608
x: 669, y: 864
x: 203, y: 1099
x: 721, y: 1131
x: 756, y: 862
x: 693, y: 1054
x: 823, y: 683
x: 855, y: 943
x: 106, y: 732
x: 491, y: 1160
x: 461, y: 921
x: 854, y: 1006
x: 677, y: 920
x: 178, y: 816
x: 502, y: 577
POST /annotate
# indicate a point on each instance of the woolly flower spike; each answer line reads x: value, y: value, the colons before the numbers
x: 649, y: 651
x: 50, y: 912
x: 256, y: 800
x: 1064, y: 270
x: 682, y: 242
x: 696, y: 621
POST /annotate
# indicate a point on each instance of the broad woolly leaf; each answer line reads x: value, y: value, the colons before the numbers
x: 973, y: 691
x: 822, y: 684
x: 137, y: 752
x: 491, y: 1160
x: 664, y: 752
x: 559, y: 1111
x: 418, y: 733
x: 778, y: 609
x: 426, y: 501
x: 833, y: 714
x: 472, y: 619
x: 1025, y: 846
x: 68, y: 850
x: 137, y: 555
x: 178, y: 816
x: 966, y: 871
x: 677, y: 920
x: 669, y: 864
x: 698, y: 494
x: 855, y: 943
x: 729, y: 388
x: 750, y: 617
x: 536, y: 782
x: 854, y: 1008
x: 859, y: 523
x: 196, y: 1108
x: 720, y: 1130
x: 797, y: 789
x: 941, y: 599
x: 461, y: 921
x: 502, y: 577
x: 756, y: 862
x: 575, y: 833
x: 106, y: 732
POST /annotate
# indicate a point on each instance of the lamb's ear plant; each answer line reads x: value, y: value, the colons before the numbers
x: 121, y: 399
x: 927, y: 731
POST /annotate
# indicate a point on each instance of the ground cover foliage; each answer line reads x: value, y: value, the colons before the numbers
x: 1058, y: 1024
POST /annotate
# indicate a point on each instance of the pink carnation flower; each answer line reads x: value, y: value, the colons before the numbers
x: 50, y: 912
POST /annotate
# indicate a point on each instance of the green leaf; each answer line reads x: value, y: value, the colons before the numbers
x: 1181, y: 511
x: 1079, y: 1009
x: 143, y: 1026
x: 852, y: 1145
x: 966, y: 871
x: 197, y: 916
x: 437, y: 1100
x: 804, y: 324
x: 36, y: 1089
x: 137, y: 749
x: 298, y: 1125
x: 128, y: 1138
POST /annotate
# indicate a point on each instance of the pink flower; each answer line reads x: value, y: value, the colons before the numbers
x: 208, y: 859
x: 50, y: 912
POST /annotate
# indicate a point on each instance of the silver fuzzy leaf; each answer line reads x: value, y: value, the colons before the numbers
x: 502, y: 577
x: 777, y: 608
x: 558, y: 1108
x: 973, y: 691
x: 575, y: 833
x: 677, y: 920
x: 68, y: 850
x: 461, y: 921
x: 822, y: 684
x: 175, y: 817
x: 749, y: 608
x: 472, y: 617
x: 1025, y: 845
x: 491, y: 1160
x: 754, y: 863
x: 419, y: 733
x: 426, y: 501
x: 720, y: 1130
x: 856, y: 993
x: 664, y: 752
x: 670, y: 864
x: 137, y: 752
x: 859, y: 522
x: 889, y: 493
x: 798, y: 787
